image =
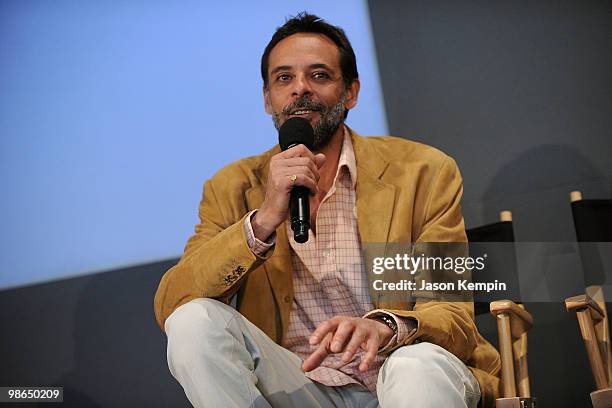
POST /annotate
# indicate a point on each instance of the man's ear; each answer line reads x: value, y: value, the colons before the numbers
x: 266, y: 95
x: 352, y: 94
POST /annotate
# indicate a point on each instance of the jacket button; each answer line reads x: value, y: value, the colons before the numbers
x: 287, y: 298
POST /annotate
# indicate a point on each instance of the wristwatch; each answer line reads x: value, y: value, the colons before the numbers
x: 389, y: 321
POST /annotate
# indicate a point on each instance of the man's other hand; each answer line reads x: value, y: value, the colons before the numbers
x: 346, y: 335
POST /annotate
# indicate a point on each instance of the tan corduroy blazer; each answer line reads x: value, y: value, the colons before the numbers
x: 405, y: 192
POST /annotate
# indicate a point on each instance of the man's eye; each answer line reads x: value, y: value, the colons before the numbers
x: 283, y: 77
x: 320, y: 75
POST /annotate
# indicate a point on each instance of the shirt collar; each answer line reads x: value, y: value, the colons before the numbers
x: 347, y: 158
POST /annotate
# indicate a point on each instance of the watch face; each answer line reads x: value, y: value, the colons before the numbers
x: 389, y: 322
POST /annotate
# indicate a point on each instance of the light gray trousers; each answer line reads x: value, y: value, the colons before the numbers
x: 223, y: 360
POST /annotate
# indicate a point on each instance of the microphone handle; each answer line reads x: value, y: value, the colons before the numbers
x: 299, y: 212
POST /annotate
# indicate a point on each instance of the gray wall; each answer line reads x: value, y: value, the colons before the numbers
x: 520, y: 94
x: 94, y: 335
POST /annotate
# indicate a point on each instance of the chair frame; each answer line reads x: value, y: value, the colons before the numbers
x: 513, y: 322
x: 592, y: 317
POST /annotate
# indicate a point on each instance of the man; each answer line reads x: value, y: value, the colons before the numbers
x: 308, y: 330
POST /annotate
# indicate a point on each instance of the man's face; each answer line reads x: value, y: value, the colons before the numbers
x: 305, y: 80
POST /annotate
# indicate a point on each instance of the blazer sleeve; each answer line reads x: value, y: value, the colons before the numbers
x: 217, y: 257
x: 450, y: 325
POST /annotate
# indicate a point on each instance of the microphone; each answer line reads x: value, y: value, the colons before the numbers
x: 293, y: 132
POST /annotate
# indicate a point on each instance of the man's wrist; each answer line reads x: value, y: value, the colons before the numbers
x: 388, y: 322
x: 262, y: 229
x: 258, y: 247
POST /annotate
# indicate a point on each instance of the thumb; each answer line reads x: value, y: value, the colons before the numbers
x: 319, y: 160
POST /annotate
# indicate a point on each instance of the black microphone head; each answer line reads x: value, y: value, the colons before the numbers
x: 295, y: 131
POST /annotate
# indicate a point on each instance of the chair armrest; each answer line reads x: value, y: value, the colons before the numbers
x: 584, y: 301
x: 520, y: 319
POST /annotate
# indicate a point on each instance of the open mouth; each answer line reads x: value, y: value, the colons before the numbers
x: 302, y: 112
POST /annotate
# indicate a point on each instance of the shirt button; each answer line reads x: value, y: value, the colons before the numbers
x: 326, y: 253
x: 334, y: 292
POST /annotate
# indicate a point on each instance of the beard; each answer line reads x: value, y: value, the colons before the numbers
x: 329, y: 122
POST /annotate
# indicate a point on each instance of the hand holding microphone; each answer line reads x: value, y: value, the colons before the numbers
x: 292, y: 177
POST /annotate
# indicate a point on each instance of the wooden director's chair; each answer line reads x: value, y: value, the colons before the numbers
x: 593, y: 223
x: 513, y: 321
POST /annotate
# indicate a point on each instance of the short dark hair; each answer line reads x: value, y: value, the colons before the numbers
x: 309, y: 23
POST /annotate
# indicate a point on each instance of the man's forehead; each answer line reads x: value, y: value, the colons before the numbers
x: 307, y: 49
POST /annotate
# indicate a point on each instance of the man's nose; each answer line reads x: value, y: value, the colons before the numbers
x: 302, y: 86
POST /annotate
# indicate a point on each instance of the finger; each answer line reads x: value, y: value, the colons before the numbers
x: 301, y: 180
x: 285, y: 182
x: 317, y: 356
x: 298, y: 151
x: 359, y: 335
x: 307, y: 167
x: 343, y: 333
x: 370, y: 354
x: 322, y: 330
x: 302, y: 162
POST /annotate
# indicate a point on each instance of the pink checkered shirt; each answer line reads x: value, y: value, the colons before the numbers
x: 329, y: 278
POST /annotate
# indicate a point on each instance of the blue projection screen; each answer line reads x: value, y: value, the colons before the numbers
x: 113, y: 114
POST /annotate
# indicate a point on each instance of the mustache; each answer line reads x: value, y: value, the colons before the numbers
x: 304, y: 103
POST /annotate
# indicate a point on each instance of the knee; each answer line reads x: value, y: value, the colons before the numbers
x: 431, y: 375
x: 423, y: 361
x: 194, y: 316
x: 192, y: 327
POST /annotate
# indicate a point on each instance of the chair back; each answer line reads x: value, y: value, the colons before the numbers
x: 501, y: 262
x: 593, y: 224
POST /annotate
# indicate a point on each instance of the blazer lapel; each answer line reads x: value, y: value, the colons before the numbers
x: 375, y: 205
x: 375, y: 198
